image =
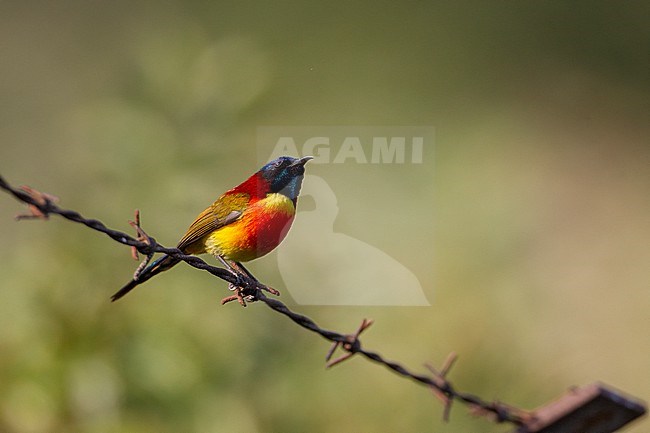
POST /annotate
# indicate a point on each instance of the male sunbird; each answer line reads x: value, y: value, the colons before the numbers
x: 245, y: 223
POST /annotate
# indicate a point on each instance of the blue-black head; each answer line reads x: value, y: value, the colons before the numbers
x: 284, y: 175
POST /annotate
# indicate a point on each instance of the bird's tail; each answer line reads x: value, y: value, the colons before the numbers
x: 158, y: 266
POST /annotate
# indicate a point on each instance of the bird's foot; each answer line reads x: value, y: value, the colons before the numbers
x: 240, y: 296
x: 246, y: 292
x: 243, y: 292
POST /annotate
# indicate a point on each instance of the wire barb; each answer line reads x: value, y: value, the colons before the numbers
x: 239, y: 296
x: 441, y: 376
x: 351, y: 345
x: 143, y: 237
x: 136, y: 225
x: 37, y: 210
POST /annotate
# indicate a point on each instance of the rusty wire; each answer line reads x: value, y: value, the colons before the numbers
x: 41, y: 205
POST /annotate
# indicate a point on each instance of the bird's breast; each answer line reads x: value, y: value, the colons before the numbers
x: 261, y: 228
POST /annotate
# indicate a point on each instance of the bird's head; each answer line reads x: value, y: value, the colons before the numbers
x: 284, y: 175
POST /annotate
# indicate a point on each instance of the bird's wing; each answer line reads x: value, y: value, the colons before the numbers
x: 225, y: 210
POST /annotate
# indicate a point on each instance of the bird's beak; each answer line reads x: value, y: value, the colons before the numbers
x: 302, y: 161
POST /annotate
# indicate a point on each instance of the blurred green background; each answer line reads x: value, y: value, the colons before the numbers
x: 527, y: 225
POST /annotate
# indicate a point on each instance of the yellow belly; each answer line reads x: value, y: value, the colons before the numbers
x: 262, y: 226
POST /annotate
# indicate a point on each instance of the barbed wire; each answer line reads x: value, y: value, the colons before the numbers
x: 248, y: 289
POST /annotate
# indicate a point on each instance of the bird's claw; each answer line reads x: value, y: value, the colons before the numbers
x: 242, y: 292
x: 240, y: 296
x: 246, y: 290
